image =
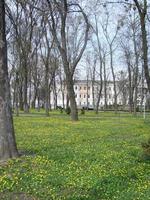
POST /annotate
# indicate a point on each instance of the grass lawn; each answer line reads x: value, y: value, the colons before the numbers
x: 96, y: 158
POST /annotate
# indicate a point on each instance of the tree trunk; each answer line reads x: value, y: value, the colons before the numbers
x: 136, y: 72
x: 20, y: 98
x: 26, y: 106
x: 55, y: 94
x: 100, y: 87
x: 38, y: 101
x: 114, y: 79
x: 71, y: 96
x: 73, y: 106
x: 105, y: 86
x: 63, y: 100
x: 87, y: 93
x: 16, y: 94
x: 13, y: 96
x: 93, y: 88
x: 130, y: 91
x: 145, y: 50
x: 8, y: 148
x: 142, y: 91
x: 67, y: 101
x: 47, y: 90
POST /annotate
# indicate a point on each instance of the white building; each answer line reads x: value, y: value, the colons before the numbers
x: 87, y: 94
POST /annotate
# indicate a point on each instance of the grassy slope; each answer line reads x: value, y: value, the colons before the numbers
x: 94, y: 159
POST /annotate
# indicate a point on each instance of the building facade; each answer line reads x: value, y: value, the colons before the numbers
x: 87, y: 92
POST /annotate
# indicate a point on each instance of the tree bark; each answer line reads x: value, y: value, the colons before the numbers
x: 8, y: 148
x: 142, y: 9
x: 47, y: 89
x: 114, y: 79
x: 26, y: 106
x: 100, y: 87
x: 130, y: 90
x: 16, y: 94
x: 21, y: 98
x: 71, y: 95
x: 136, y: 71
x: 145, y: 51
x: 105, y: 86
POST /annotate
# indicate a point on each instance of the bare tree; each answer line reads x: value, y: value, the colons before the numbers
x: 131, y: 46
x: 111, y: 41
x: 62, y: 9
x: 142, y: 10
x: 8, y: 148
x: 99, y: 49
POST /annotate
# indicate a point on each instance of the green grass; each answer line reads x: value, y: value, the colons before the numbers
x: 96, y: 158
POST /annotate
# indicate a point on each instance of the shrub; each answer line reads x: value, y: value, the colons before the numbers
x: 68, y: 110
x: 82, y: 111
x: 137, y: 109
x: 146, y: 150
x: 61, y: 110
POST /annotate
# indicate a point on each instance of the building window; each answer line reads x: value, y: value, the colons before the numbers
x: 80, y: 88
x: 76, y: 88
x: 84, y: 88
x: 88, y: 96
x: 109, y: 96
x: 88, y: 88
x: 84, y: 96
x: 80, y: 96
x: 110, y: 88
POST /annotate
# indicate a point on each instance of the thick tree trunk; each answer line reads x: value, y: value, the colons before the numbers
x: 8, y: 147
x: 143, y: 12
x: 145, y: 50
x: 63, y: 100
x: 71, y: 95
x: 67, y: 101
x: 70, y: 91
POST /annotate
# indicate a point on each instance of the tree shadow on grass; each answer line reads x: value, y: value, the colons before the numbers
x: 24, y: 152
x: 16, y: 196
